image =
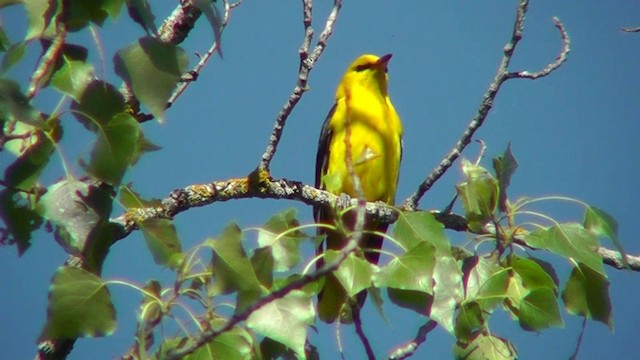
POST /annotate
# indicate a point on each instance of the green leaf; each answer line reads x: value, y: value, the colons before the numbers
x: 413, y: 228
x: 25, y: 171
x: 272, y: 349
x: 80, y: 13
x: 539, y: 310
x: 214, y: 17
x: 262, y: 263
x: 112, y: 7
x: 231, y: 267
x: 587, y: 294
x: 131, y: 199
x: 285, y: 320
x: 73, y: 77
x: 476, y: 272
x: 100, y: 102
x: 20, y: 219
x: 494, y: 289
x: 447, y: 292
x: 354, y: 273
x: 285, y: 247
x: 14, y: 54
x: 163, y: 242
x: 479, y: 195
x: 76, y: 209
x: 410, y: 271
x: 236, y: 343
x: 569, y: 240
x: 485, y: 347
x: 140, y: 13
x: 468, y: 321
x: 114, y: 149
x: 532, y: 274
x: 604, y: 225
x: 152, y: 68
x: 40, y: 16
x: 505, y: 166
x: 14, y: 106
x: 79, y: 306
x: 417, y: 301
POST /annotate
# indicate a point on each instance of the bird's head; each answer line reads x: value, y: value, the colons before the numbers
x: 369, y: 71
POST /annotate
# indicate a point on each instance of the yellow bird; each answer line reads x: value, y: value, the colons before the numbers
x: 363, y: 109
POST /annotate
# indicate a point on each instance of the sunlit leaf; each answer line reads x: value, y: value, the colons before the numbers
x: 447, y: 291
x: 40, y: 16
x: 14, y: 54
x: 131, y: 199
x: 539, y: 310
x: 587, y: 294
x: 410, y: 271
x: 413, y: 228
x: 114, y: 149
x: 533, y: 275
x: 354, y: 273
x: 494, y: 289
x: 163, y: 241
x: 285, y: 248
x: 79, y: 306
x: 76, y: 208
x: 604, y: 225
x: 285, y: 320
x: 262, y: 262
x: 479, y: 195
x: 485, y: 347
x: 231, y: 267
x: 469, y: 319
x: 569, y: 240
x: 152, y: 68
x: 73, y: 77
x: 235, y: 344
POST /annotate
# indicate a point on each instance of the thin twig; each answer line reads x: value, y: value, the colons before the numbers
x: 561, y: 58
x: 205, y: 58
x: 307, y: 61
x: 410, y: 348
x: 48, y: 60
x: 357, y: 321
x: 631, y: 29
x: 209, y: 334
x: 502, y: 75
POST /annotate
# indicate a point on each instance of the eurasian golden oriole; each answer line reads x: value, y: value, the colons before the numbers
x: 364, y: 119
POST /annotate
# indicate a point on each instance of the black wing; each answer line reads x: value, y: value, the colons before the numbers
x: 322, y: 157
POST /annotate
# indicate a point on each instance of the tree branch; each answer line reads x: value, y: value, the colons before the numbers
x: 307, y: 61
x: 502, y: 75
x: 410, y: 348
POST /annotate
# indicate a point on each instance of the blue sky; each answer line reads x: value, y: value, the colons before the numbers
x: 574, y: 134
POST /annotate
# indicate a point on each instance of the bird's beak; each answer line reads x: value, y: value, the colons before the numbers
x: 383, y: 61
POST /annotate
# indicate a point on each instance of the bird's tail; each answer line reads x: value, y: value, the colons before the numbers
x: 333, y: 299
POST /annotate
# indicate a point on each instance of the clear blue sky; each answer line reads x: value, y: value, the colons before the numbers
x: 574, y: 134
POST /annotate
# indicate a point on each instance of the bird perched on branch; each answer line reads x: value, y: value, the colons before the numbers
x: 364, y: 127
